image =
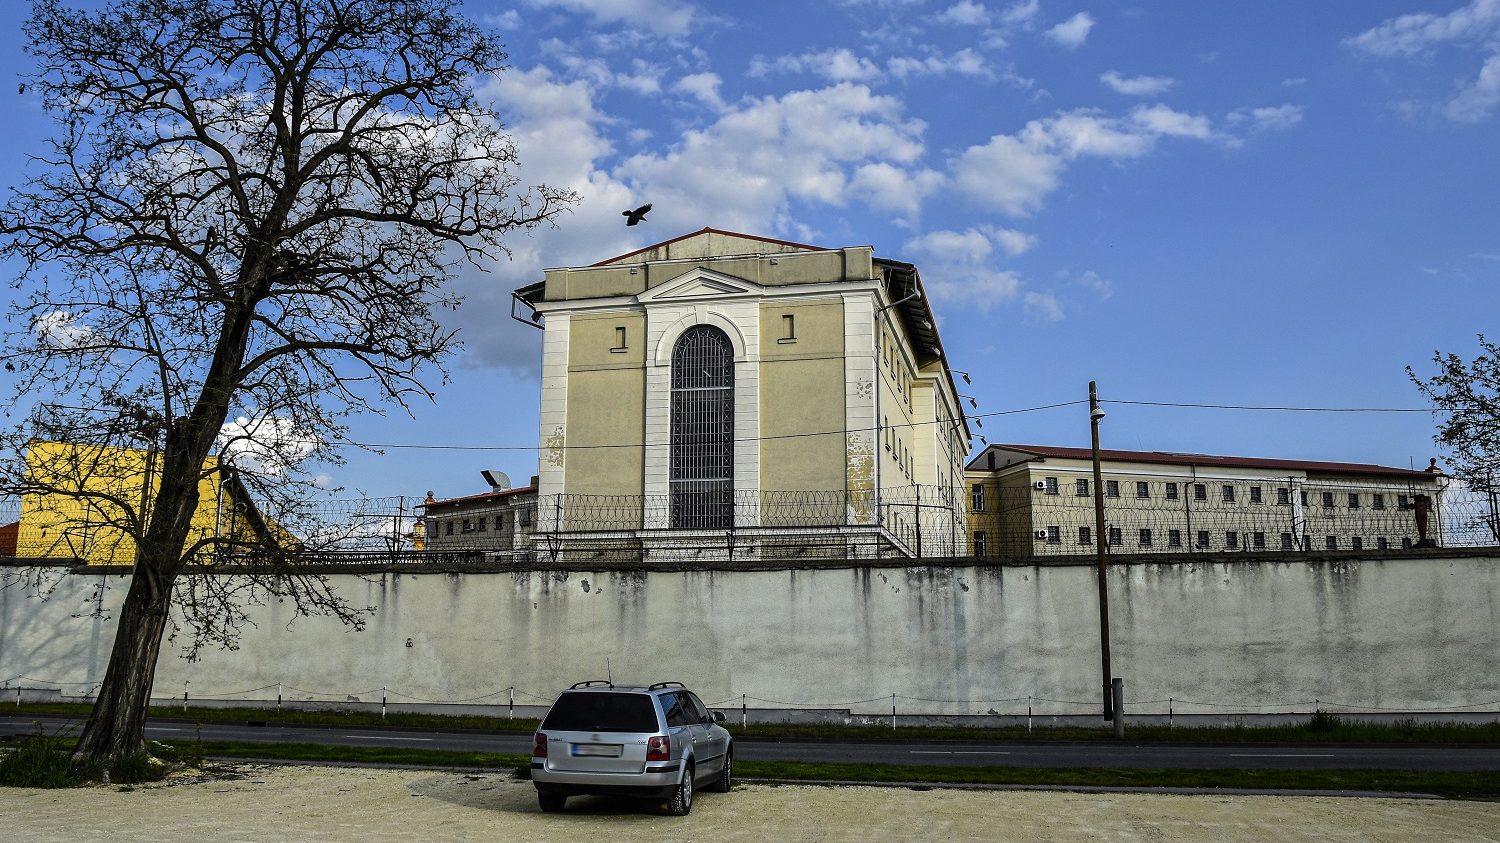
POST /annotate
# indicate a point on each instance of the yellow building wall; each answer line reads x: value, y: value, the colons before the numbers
x: 801, y: 392
x: 102, y: 492
x: 606, y: 415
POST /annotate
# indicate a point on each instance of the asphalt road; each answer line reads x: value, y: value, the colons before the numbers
x: 944, y: 753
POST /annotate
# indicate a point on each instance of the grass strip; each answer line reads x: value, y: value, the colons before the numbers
x: 1450, y: 785
x: 1323, y: 728
x: 1467, y: 785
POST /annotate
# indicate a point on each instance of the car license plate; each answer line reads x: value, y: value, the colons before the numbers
x: 603, y: 750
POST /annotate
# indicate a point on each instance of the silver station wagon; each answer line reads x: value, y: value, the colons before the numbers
x: 654, y: 742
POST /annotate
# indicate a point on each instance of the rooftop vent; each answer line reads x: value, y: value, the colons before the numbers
x: 498, y: 480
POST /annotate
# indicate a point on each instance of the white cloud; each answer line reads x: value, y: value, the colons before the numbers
x: 1072, y: 32
x: 742, y: 172
x: 60, y: 329
x: 267, y: 445
x: 1269, y: 118
x: 1137, y: 86
x: 702, y: 86
x: 957, y: 266
x: 1091, y: 280
x: 964, y: 13
x: 1476, y: 102
x: 665, y: 17
x: 1012, y: 241
x: 1294, y: 82
x: 840, y: 65
x: 1474, y: 27
x: 965, y: 62
x: 1020, y: 14
x: 1015, y: 173
x: 1413, y: 34
x: 508, y: 19
x: 1043, y: 306
x: 895, y: 188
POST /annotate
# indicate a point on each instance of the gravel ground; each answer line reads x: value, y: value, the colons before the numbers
x: 364, y: 804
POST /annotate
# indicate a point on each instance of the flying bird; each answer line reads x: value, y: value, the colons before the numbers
x: 22, y: 89
x: 638, y: 215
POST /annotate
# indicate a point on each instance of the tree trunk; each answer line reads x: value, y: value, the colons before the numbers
x: 117, y: 725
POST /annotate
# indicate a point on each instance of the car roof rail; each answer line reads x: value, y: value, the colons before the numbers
x: 591, y: 683
x: 665, y: 685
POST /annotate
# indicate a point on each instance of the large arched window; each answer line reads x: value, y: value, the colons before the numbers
x: 702, y: 479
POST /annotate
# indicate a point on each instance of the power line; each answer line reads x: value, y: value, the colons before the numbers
x: 1284, y: 409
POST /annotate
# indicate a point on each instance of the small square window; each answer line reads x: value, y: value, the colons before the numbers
x: 1226, y: 494
x: 1331, y: 542
x: 619, y: 345
x: 979, y: 545
x: 1354, y: 500
x: 1142, y: 489
x: 1051, y: 485
x: 1377, y: 501
x: 788, y: 329
x: 1286, y: 541
x: 1231, y: 539
x: 1174, y: 538
x: 1114, y: 537
x: 1307, y: 543
x: 1171, y: 491
x: 1283, y: 497
x: 1255, y: 495
x: 979, y: 497
x: 1081, y: 487
x: 448, y: 527
x: 1111, y: 488
x: 1085, y: 536
x: 1259, y: 541
x: 1406, y: 541
x: 1327, y: 500
x: 1382, y: 544
x: 468, y: 526
x: 1145, y: 537
x: 1054, y: 535
x: 1200, y: 492
x: 1303, y: 494
x: 1356, y: 543
x: 1202, y: 538
x: 1402, y: 502
x: 481, y: 525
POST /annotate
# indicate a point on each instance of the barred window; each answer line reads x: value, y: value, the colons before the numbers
x: 1283, y: 497
x: 1255, y: 494
x: 1331, y: 542
x: 1174, y: 538
x: 1085, y: 535
x: 1051, y: 485
x: 1200, y: 492
x: 1203, y: 538
x: 1227, y: 493
x: 979, y: 500
x: 1259, y: 540
x: 1142, y: 490
x: 1286, y: 541
x: 702, y: 478
x: 1378, y: 501
x: 1145, y: 537
x: 979, y: 544
x: 1231, y: 539
x: 1114, y: 537
x: 1081, y: 487
x: 1354, y: 500
x: 1112, y: 488
x: 1171, y: 491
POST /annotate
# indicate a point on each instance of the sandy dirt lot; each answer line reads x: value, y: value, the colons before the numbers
x: 337, y: 804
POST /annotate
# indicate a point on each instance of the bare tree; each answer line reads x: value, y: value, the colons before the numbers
x: 249, y: 210
x: 1468, y: 394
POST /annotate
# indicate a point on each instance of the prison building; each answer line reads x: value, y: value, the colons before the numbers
x: 498, y: 523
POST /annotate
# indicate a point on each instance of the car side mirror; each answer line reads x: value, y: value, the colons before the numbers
x: 719, y: 717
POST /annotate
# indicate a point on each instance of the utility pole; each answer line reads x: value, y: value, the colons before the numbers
x: 1100, y: 540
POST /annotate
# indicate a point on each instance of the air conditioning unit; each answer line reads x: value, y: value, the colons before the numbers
x: 1041, y: 534
x: 1040, y: 484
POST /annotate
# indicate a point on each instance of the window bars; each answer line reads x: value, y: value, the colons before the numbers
x: 702, y: 427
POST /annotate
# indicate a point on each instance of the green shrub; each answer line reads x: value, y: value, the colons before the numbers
x: 42, y: 760
x: 1323, y: 721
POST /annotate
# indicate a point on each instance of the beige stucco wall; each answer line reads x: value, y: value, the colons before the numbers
x: 606, y: 405
x: 762, y: 263
x: 1394, y: 633
x: 801, y: 387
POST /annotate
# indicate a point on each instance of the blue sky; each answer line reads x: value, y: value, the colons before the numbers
x: 1277, y: 203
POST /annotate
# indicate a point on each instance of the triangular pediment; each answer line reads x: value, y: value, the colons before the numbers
x: 701, y: 283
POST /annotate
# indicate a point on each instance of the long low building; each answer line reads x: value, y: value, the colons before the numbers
x: 1038, y: 500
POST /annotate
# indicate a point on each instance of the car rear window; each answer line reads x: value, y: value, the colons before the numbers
x: 600, y: 711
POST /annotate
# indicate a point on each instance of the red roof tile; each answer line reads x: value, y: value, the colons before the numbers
x: 484, y: 496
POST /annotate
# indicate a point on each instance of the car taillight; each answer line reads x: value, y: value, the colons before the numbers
x: 539, y: 745
x: 658, y: 749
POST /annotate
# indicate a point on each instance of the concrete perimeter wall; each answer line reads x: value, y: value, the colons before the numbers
x: 1250, y: 635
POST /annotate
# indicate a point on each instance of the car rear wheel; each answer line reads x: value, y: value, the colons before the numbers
x: 551, y: 802
x: 681, y: 803
x: 725, y: 781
